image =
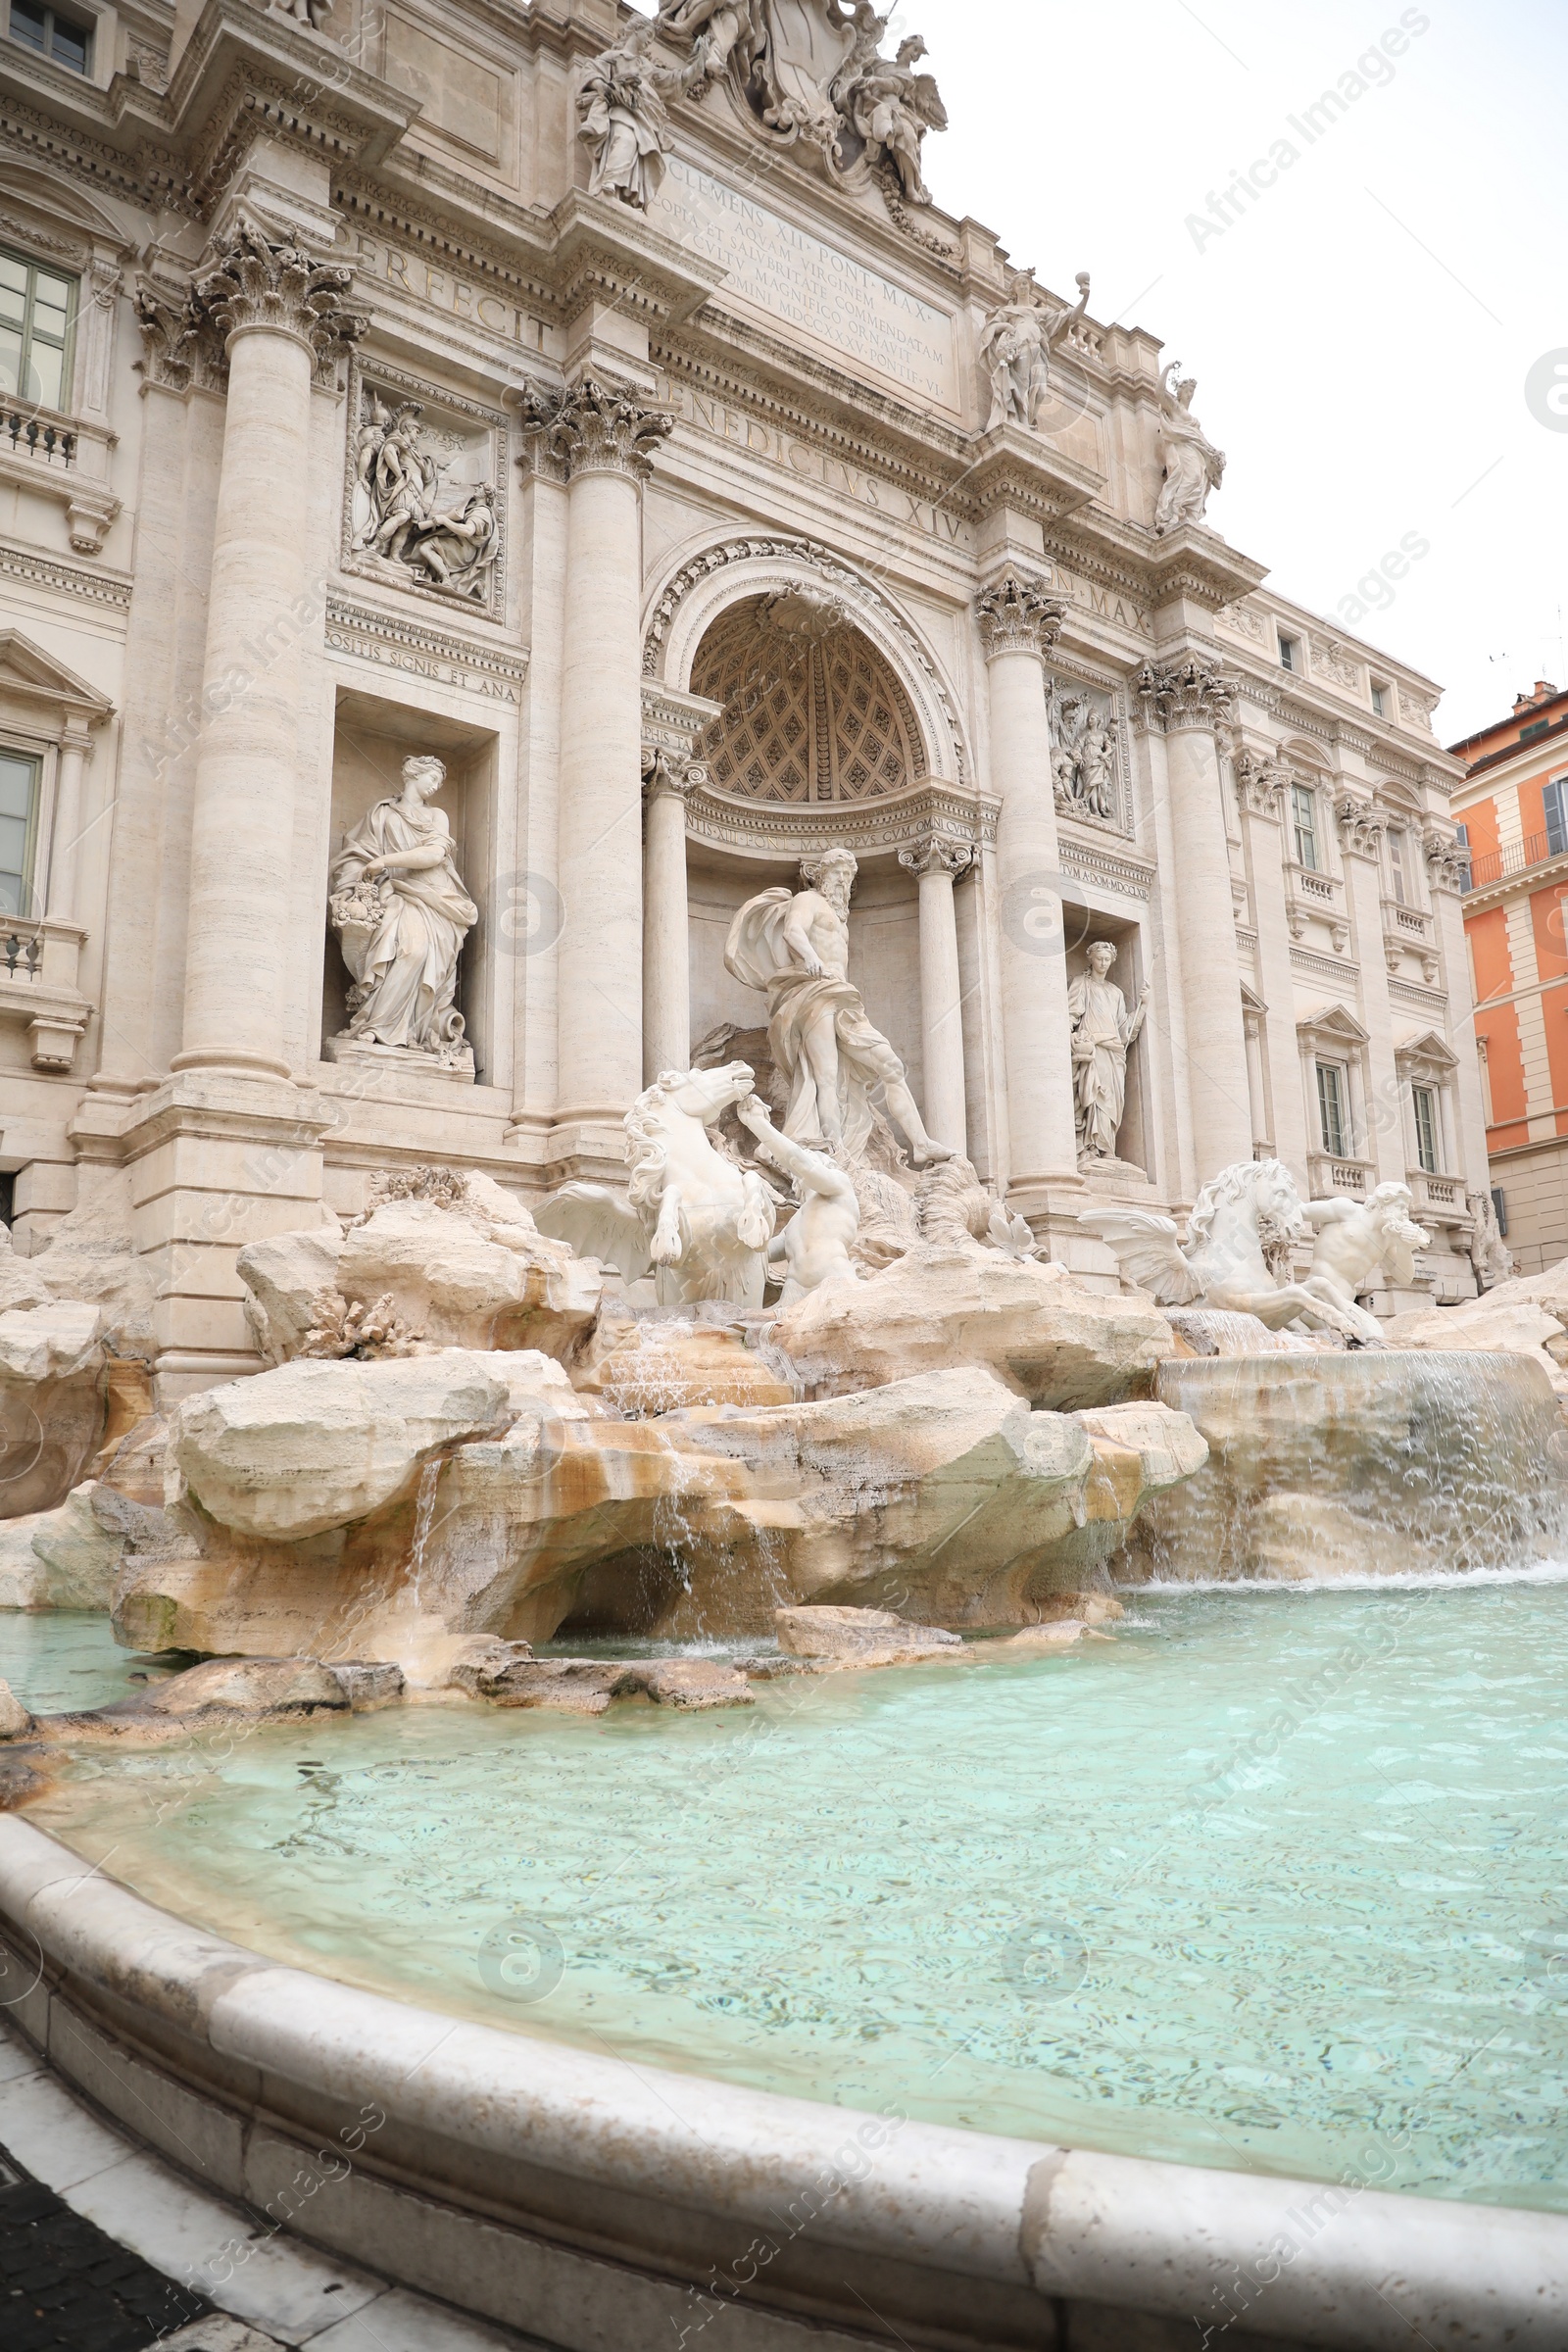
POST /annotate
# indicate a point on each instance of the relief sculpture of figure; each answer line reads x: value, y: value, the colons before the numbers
x: 398, y: 517
x: 1103, y: 1030
x: 622, y: 114
x: 1193, y: 466
x: 793, y: 945
x: 402, y: 914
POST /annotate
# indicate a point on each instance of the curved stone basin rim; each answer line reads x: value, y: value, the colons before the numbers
x: 539, y: 2184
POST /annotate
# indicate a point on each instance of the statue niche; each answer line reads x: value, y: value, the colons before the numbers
x: 811, y: 712
x: 401, y: 913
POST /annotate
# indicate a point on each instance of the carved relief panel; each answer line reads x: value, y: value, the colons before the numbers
x: 423, y: 494
x: 1089, y: 766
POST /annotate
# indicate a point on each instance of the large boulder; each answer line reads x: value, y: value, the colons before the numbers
x: 286, y: 1278
x: 311, y: 1446
x: 650, y: 1365
x: 66, y: 1558
x: 53, y: 1402
x: 91, y: 1256
x: 1505, y: 1321
x: 471, y: 1272
x: 840, y: 1639
x: 1060, y: 1347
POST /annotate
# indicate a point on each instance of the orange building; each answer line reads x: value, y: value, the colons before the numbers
x: 1512, y: 809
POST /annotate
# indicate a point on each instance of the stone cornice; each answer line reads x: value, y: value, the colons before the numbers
x: 1194, y: 562
x: 773, y: 829
x: 1011, y: 467
x: 602, y: 250
x: 243, y: 71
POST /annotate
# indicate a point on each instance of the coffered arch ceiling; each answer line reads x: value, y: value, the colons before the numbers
x: 813, y: 711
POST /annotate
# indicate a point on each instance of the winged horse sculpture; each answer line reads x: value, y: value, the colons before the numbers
x: 1247, y: 1208
x: 695, y: 1219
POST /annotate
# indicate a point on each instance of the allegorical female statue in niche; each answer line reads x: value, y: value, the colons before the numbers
x: 402, y: 914
x: 1193, y: 466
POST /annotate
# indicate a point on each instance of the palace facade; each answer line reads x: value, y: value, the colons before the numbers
x: 603, y: 411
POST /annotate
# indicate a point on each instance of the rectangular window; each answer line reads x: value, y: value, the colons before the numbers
x: 1304, y: 805
x: 65, y: 39
x: 1380, y: 701
x: 1537, y: 726
x: 1397, y: 866
x: 1461, y: 834
x: 1501, y: 1206
x: 1332, y: 1110
x: 1426, y: 1127
x: 37, y: 316
x: 1555, y: 798
x: 18, y: 825
x: 1289, y: 648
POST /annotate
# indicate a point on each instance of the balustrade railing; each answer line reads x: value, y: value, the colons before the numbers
x: 1515, y: 858
x: 37, y: 439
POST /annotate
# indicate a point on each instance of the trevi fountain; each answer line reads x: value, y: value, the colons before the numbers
x: 784, y: 1547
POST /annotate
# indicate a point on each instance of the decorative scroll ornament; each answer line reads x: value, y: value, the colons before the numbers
x: 1189, y: 695
x: 262, y: 283
x: 935, y: 855
x: 1361, y: 825
x: 670, y: 772
x: 1016, y: 616
x: 593, y: 427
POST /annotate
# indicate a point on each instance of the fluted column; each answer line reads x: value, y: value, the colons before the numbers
x: 605, y: 441
x: 1017, y: 621
x: 667, y: 779
x: 938, y: 863
x: 277, y: 313
x: 1189, y: 703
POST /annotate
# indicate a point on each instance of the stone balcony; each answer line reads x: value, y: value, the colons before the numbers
x: 39, y: 962
x: 58, y: 456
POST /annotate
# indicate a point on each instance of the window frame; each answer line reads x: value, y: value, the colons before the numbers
x: 1380, y: 699
x: 1304, y: 796
x: 85, y: 25
x: 66, y: 347
x: 1289, y: 647
x: 33, y: 759
x: 1428, y: 1129
x: 1400, y: 881
x: 1555, y: 813
x: 1334, y: 1079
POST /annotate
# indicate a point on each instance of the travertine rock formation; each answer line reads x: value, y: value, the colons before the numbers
x: 316, y: 1446
x: 1059, y: 1346
x: 53, y: 1402
x: 59, y: 1559
x: 840, y: 1639
x: 1513, y: 1319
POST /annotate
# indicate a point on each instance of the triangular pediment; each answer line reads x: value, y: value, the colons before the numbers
x: 27, y: 670
x: 1426, y: 1044
x: 1335, y: 1021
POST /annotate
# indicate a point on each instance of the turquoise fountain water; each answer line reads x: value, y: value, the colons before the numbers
x: 1276, y: 1882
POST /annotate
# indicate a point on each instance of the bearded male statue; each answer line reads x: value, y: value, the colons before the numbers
x: 795, y: 947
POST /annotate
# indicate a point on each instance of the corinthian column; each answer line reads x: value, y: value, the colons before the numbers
x: 1189, y: 704
x: 1017, y: 621
x: 278, y: 313
x: 605, y: 443
x: 667, y: 779
x: 938, y: 863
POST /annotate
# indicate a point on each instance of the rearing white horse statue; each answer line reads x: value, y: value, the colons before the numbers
x: 1247, y: 1206
x: 695, y: 1219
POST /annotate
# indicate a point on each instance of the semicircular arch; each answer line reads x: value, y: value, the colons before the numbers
x: 705, y: 584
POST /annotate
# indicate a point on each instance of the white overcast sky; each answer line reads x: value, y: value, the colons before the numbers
x: 1362, y: 336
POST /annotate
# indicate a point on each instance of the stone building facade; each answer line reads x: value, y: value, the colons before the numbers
x: 604, y: 410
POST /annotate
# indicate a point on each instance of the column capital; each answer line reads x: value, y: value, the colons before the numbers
x: 1361, y: 824
x: 261, y: 282
x: 1447, y: 860
x: 1017, y: 614
x: 669, y: 774
x: 257, y: 281
x: 1260, y: 783
x: 937, y: 856
x: 1186, y: 694
x: 596, y: 428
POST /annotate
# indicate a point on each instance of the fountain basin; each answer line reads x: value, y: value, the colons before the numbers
x: 1381, y: 1463
x: 598, y: 2202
